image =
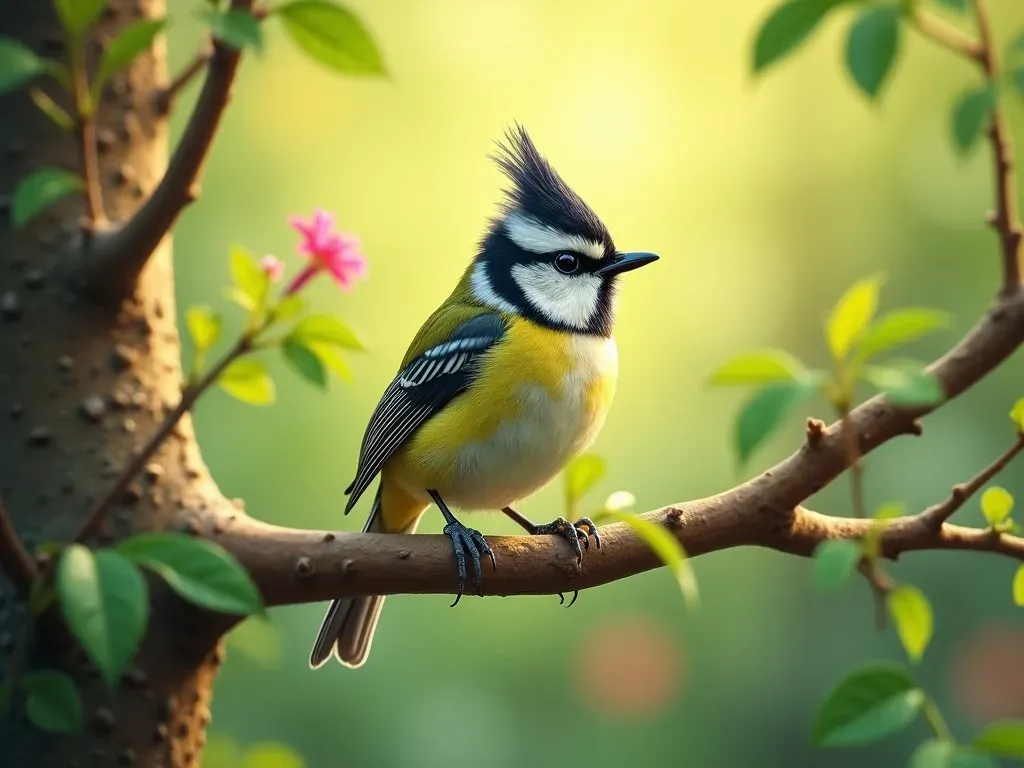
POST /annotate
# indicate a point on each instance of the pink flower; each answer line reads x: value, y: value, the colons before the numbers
x: 335, y: 252
x: 273, y: 266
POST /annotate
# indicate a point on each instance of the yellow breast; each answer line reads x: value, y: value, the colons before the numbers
x: 541, y: 397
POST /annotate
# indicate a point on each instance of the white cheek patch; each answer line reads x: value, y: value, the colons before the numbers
x: 483, y: 291
x: 568, y: 299
x: 534, y: 236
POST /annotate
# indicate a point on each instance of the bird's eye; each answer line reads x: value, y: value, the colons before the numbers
x: 566, y: 263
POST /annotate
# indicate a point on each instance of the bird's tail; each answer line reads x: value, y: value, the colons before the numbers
x: 347, y: 629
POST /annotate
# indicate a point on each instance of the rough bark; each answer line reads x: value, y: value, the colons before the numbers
x: 81, y: 385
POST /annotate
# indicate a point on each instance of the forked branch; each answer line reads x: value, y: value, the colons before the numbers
x: 119, y: 257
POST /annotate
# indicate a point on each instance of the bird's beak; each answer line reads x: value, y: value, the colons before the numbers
x: 624, y: 262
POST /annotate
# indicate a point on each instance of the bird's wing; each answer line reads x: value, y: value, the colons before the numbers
x: 423, y: 387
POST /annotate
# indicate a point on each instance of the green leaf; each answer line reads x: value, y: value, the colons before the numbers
x: 204, y: 326
x: 330, y: 357
x: 133, y: 40
x: 581, y: 474
x: 40, y: 190
x: 971, y: 116
x: 18, y: 65
x: 328, y: 329
x: 945, y: 754
x: 1018, y: 586
x: 766, y: 409
x: 332, y: 35
x: 786, y: 28
x: 905, y: 386
x: 237, y: 27
x: 287, y: 308
x: 199, y: 570
x: 956, y: 5
x: 53, y: 704
x: 251, y: 282
x: 77, y: 15
x: 852, y: 314
x: 834, y: 562
x: 271, y: 755
x: 247, y: 380
x: 912, y: 614
x: 1005, y: 739
x: 996, y: 505
x: 872, y: 45
x: 667, y: 548
x: 1017, y: 414
x: 759, y: 367
x: 104, y: 601
x: 875, y: 701
x: 305, y: 362
x: 899, y: 327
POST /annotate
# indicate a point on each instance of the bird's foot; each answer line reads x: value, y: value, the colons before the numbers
x: 466, y: 540
x: 577, y: 534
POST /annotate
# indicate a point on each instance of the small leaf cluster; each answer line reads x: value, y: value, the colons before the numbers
x: 311, y: 344
x: 325, y: 31
x: 872, y: 49
x: 881, y: 699
x: 855, y: 337
x: 104, y: 600
x: 582, y: 473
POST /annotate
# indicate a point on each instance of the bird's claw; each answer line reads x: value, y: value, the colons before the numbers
x: 467, y: 539
x: 577, y: 534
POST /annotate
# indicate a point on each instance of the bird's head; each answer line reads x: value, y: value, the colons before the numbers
x: 548, y: 257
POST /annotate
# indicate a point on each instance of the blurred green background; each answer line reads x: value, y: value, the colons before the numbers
x: 766, y: 200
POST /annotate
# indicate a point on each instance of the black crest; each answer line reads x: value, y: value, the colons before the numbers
x: 538, y: 190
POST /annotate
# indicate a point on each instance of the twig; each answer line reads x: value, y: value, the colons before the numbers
x: 983, y: 52
x: 1004, y: 220
x: 85, y: 132
x: 938, y: 514
x: 947, y: 35
x: 119, y: 257
x: 14, y: 558
x: 165, y: 99
x: 189, y: 396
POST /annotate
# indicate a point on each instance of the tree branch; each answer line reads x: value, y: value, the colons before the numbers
x: 295, y: 566
x: 119, y: 257
x: 292, y: 566
x: 940, y: 513
x: 165, y: 99
x: 1004, y: 219
x: 15, y: 560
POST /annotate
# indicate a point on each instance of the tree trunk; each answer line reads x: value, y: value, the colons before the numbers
x: 81, y: 386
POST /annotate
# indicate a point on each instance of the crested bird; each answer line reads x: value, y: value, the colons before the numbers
x: 509, y: 379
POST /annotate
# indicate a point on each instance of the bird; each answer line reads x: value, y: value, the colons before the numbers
x: 505, y: 383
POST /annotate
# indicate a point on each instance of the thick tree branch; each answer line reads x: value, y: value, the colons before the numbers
x: 119, y: 257
x: 294, y: 566
x: 15, y: 560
